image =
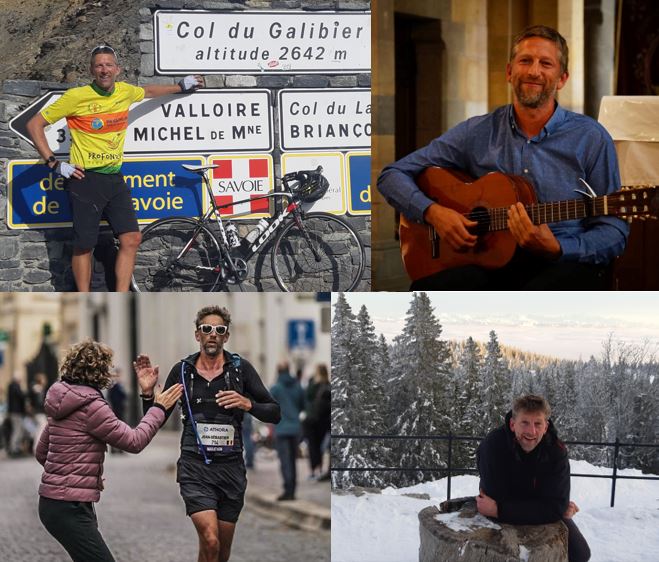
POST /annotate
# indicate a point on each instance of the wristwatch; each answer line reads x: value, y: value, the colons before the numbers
x: 51, y: 159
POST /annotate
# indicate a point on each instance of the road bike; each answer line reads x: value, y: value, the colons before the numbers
x: 312, y: 251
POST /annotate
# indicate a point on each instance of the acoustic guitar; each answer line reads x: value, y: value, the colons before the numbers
x: 487, y: 201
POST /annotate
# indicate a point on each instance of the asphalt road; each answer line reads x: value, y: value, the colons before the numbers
x: 141, y: 516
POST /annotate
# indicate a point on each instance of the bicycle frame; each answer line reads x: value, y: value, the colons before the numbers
x: 275, y: 222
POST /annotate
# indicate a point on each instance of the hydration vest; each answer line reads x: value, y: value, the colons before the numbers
x: 198, y: 426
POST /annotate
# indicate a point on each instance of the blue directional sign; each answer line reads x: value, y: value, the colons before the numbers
x: 301, y: 333
x: 359, y: 182
x: 160, y: 187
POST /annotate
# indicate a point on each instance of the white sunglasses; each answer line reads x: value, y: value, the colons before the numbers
x: 208, y: 329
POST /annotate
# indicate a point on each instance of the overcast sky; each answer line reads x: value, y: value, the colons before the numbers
x: 561, y: 324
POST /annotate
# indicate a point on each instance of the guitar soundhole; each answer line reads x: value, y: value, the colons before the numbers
x: 482, y: 217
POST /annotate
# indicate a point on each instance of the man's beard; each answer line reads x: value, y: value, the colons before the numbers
x: 212, y: 349
x: 536, y: 99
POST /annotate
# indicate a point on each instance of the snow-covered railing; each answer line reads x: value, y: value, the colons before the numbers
x: 450, y: 470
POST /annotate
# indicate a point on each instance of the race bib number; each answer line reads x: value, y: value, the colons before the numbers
x: 216, y: 435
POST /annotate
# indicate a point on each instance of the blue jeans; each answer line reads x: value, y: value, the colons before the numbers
x: 287, y: 450
x: 248, y: 444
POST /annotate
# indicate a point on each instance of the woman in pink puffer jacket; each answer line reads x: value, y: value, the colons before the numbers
x: 72, y: 448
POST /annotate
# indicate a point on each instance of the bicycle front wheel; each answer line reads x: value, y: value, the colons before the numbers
x: 177, y: 254
x: 321, y: 253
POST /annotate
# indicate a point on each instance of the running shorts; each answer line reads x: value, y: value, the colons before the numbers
x: 219, y: 486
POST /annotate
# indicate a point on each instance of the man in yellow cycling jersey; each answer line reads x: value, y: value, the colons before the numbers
x: 97, y: 118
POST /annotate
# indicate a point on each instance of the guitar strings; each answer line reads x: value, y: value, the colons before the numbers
x: 573, y: 209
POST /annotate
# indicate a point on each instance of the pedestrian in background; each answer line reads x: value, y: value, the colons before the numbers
x: 318, y: 421
x: 16, y: 410
x: 72, y: 448
x: 117, y: 398
x: 288, y: 392
x: 248, y: 442
x: 37, y: 397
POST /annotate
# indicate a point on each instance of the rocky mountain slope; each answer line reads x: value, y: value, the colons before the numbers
x: 51, y: 39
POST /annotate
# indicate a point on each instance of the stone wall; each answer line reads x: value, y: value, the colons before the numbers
x: 39, y: 259
x: 458, y: 533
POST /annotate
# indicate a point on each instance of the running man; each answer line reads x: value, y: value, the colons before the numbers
x: 219, y: 387
x: 97, y: 118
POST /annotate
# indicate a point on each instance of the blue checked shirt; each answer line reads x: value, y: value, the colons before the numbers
x: 569, y: 147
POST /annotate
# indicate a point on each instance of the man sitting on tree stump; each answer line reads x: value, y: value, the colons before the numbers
x: 525, y: 473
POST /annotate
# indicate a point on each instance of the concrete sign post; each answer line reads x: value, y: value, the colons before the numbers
x: 261, y: 42
x: 334, y: 201
x: 324, y: 119
x: 242, y: 177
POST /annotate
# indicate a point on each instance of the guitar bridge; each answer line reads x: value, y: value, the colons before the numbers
x: 434, y: 242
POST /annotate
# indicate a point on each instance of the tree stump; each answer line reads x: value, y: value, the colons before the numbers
x: 458, y: 533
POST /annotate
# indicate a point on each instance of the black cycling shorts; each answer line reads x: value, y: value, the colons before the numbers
x: 98, y: 196
x: 219, y: 486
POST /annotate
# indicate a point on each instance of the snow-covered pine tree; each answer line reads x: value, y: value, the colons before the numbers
x: 467, y: 411
x: 343, y: 332
x: 366, y: 401
x: 495, y: 396
x: 423, y: 362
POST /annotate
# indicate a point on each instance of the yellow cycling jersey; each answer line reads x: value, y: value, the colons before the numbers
x: 97, y: 121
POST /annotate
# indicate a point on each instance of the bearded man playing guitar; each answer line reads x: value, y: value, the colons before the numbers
x: 549, y: 147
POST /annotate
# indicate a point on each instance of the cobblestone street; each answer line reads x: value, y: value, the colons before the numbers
x: 142, y: 516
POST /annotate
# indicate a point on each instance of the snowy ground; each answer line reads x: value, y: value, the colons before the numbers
x: 384, y: 527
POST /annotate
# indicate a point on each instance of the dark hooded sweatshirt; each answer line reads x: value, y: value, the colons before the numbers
x: 529, y: 488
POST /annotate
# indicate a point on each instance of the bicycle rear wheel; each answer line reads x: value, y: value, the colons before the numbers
x: 322, y: 253
x: 177, y: 254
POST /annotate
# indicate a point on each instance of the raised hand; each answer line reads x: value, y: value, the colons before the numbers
x: 147, y: 375
x: 168, y: 398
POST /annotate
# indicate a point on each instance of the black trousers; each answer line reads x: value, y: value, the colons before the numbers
x: 74, y: 526
x: 577, y: 547
x: 525, y: 272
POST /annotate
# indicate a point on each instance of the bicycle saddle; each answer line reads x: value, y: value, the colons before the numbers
x: 198, y: 169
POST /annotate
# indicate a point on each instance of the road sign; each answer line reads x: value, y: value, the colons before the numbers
x: 19, y: 123
x: 206, y: 121
x: 203, y: 122
x: 242, y: 176
x: 301, y: 334
x: 160, y: 187
x: 318, y: 119
x: 358, y: 166
x: 261, y: 42
x: 334, y: 201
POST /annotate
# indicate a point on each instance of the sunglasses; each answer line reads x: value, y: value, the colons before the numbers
x: 207, y: 329
x: 103, y: 49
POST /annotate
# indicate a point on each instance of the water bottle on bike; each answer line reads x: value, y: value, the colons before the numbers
x: 256, y: 232
x: 232, y: 235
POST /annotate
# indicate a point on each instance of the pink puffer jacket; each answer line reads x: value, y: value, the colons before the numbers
x: 72, y: 446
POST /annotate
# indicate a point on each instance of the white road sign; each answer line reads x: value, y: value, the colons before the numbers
x: 261, y: 42
x: 334, y: 201
x: 318, y: 119
x: 206, y: 121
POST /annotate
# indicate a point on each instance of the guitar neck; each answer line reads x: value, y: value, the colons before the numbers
x: 556, y: 211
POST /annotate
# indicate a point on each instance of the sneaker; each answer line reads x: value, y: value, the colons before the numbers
x: 285, y: 497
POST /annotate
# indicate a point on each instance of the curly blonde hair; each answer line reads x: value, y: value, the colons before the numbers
x: 88, y: 362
